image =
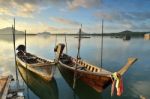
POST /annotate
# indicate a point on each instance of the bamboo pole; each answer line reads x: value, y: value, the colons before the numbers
x: 78, y: 57
x: 66, y: 44
x: 14, y: 43
x: 25, y: 33
x: 56, y: 40
x: 102, y: 47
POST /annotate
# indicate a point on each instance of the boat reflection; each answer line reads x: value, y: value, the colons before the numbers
x: 82, y: 90
x: 43, y: 89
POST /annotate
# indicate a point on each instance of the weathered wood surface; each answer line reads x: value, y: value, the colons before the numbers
x: 37, y: 65
x: 4, y: 86
x: 95, y: 77
x: 127, y: 66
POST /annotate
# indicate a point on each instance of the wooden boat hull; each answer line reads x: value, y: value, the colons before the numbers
x: 45, y: 71
x: 37, y: 84
x: 97, y: 82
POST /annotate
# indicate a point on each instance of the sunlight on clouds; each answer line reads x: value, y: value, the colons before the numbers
x: 64, y: 21
x: 75, y: 4
x: 12, y: 8
x: 5, y: 22
x: 27, y: 10
x: 33, y: 27
x: 5, y: 11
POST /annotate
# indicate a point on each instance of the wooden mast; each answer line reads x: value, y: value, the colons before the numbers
x: 102, y: 47
x: 66, y: 44
x: 25, y: 33
x: 78, y: 57
x: 14, y: 42
x: 56, y: 40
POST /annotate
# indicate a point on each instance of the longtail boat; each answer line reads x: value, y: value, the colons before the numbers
x: 94, y: 76
x: 39, y: 66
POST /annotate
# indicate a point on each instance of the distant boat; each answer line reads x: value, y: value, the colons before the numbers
x: 83, y: 37
x: 95, y: 77
x: 126, y: 37
x: 147, y: 36
x: 39, y: 66
x: 117, y: 36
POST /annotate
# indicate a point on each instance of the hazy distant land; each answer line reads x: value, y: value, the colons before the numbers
x: 8, y: 31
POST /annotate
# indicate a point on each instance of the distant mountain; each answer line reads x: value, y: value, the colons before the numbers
x: 126, y: 32
x: 44, y: 33
x: 8, y: 30
x: 131, y: 32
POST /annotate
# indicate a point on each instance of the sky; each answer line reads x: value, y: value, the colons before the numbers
x: 66, y: 16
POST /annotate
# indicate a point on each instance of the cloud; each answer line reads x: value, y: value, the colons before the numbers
x: 5, y: 11
x: 120, y: 15
x: 14, y: 9
x: 111, y: 16
x: 25, y: 8
x: 5, y: 22
x: 116, y: 21
x: 75, y: 4
x: 64, y: 21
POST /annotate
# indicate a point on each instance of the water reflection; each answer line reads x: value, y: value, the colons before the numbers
x: 82, y: 90
x: 116, y: 52
x: 44, y: 90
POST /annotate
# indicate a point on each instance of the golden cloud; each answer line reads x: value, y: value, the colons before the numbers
x: 64, y: 21
x: 72, y: 5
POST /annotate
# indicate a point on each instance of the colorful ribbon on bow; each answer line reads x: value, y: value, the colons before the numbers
x: 118, y: 83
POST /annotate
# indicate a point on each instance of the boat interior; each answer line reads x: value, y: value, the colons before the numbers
x: 81, y: 65
x: 31, y: 59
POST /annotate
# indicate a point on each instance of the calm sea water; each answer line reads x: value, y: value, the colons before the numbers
x: 116, y: 53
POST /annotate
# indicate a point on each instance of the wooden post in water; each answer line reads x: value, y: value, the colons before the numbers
x: 102, y: 47
x: 78, y: 57
x: 56, y: 40
x: 25, y: 39
x: 66, y: 44
x: 14, y: 42
x: 25, y: 33
x: 25, y: 45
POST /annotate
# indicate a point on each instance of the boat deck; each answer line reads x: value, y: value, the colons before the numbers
x: 82, y: 65
x: 3, y: 81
